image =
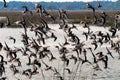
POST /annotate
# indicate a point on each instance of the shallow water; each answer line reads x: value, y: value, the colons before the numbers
x: 112, y: 73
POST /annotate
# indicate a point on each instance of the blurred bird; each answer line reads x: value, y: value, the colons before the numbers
x: 12, y: 38
x: 5, y: 4
x: 47, y: 66
x: 108, y: 52
x: 95, y: 44
x: 14, y: 69
x: 85, y: 59
x: 8, y: 22
x: 74, y: 27
x: 91, y: 7
x: 99, y: 5
x: 95, y: 60
x: 1, y: 24
x: 48, y: 15
x: 103, y: 58
x: 66, y: 42
x: 68, y: 70
x: 3, y: 78
x: 26, y: 10
x: 36, y: 62
x: 39, y: 8
x: 28, y: 73
x: 113, y: 31
x: 53, y: 36
x: 74, y: 58
x: 6, y: 47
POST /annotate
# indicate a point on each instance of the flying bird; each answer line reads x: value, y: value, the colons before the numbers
x: 5, y: 4
x: 8, y: 22
x: 26, y: 9
x: 3, y: 78
x: 12, y: 38
x: 1, y: 24
x: 90, y: 7
x: 99, y: 5
x: 108, y: 52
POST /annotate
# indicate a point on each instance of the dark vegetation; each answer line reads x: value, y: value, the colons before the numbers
x: 74, y: 16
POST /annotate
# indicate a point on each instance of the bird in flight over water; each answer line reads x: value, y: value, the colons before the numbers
x: 5, y: 4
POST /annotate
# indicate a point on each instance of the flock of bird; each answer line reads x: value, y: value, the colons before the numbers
x: 70, y: 50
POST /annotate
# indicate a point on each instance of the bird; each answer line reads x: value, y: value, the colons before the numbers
x: 38, y: 8
x: 48, y: 15
x: 66, y: 41
x: 45, y: 25
x: 62, y: 14
x: 103, y: 58
x: 100, y: 40
x: 6, y: 47
x: 12, y: 55
x: 26, y: 9
x: 93, y: 36
x: 1, y: 46
x: 90, y: 6
x: 5, y: 4
x: 8, y: 24
x: 34, y: 70
x: 74, y: 58
x: 95, y: 44
x: 99, y: 5
x: 3, y: 78
x: 85, y: 59
x: 86, y: 25
x: 74, y: 27
x: 2, y: 68
x: 1, y: 24
x: 47, y: 66
x: 12, y: 38
x: 60, y: 77
x: 24, y: 51
x: 86, y: 35
x: 53, y: 36
x: 102, y: 19
x: 14, y: 69
x: 36, y: 62
x: 108, y: 52
x: 2, y: 59
x: 29, y: 61
x: 65, y: 59
x: 68, y: 70
x: 62, y: 49
x: 95, y: 60
x: 113, y: 31
x: 40, y: 36
x: 25, y: 38
x: 28, y: 73
x: 18, y: 61
x: 51, y: 56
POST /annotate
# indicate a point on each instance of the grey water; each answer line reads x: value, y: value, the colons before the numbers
x: 86, y: 72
